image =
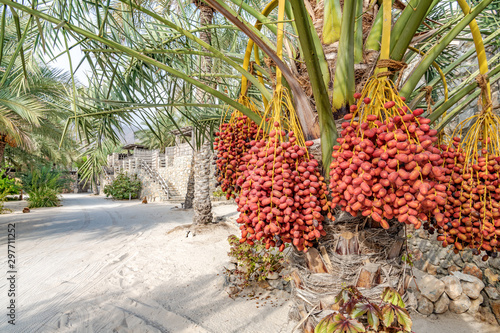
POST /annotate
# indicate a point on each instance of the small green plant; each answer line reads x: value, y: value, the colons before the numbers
x: 123, y: 187
x: 218, y: 193
x: 43, y: 187
x: 255, y: 262
x: 7, y: 186
x: 43, y: 196
x: 358, y: 314
x: 43, y: 176
x: 408, y: 258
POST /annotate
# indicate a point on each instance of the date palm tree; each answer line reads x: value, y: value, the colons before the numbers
x: 33, y: 97
x: 152, y: 56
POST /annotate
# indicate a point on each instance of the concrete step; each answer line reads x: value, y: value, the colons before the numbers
x: 176, y: 198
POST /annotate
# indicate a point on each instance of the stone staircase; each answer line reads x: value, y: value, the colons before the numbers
x: 160, y: 187
x: 175, y: 197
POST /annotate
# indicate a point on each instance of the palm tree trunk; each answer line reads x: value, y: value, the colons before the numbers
x: 206, y: 18
x: 202, y: 204
x: 2, y: 152
x: 95, y: 189
x: 188, y: 201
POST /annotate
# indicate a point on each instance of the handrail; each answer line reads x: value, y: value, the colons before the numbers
x: 107, y: 176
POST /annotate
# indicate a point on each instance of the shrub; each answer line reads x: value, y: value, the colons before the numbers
x: 43, y: 176
x: 43, y: 196
x: 218, y: 193
x: 43, y: 187
x: 255, y: 262
x: 7, y: 186
x: 123, y: 187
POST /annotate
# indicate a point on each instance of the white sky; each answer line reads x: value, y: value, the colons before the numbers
x: 77, y: 55
x: 81, y: 75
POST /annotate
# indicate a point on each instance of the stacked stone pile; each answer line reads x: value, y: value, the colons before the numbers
x: 457, y: 293
x: 460, y: 283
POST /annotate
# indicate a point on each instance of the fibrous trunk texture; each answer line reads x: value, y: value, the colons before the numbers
x: 188, y: 201
x: 2, y: 151
x: 206, y: 18
x: 202, y: 204
x: 95, y: 189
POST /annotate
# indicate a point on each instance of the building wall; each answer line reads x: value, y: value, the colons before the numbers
x: 174, y: 165
x: 176, y: 172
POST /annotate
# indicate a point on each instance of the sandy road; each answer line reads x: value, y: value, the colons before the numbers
x: 97, y: 265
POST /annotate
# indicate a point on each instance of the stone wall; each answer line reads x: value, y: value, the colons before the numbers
x: 483, y: 301
x: 174, y: 165
x: 176, y: 172
x: 73, y: 184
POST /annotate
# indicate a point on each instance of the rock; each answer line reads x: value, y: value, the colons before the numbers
x: 433, y: 317
x: 425, y: 306
x: 495, y: 308
x: 492, y: 292
x: 473, y: 270
x: 422, y: 234
x: 466, y: 256
x: 273, y: 276
x: 486, y: 299
x: 491, y: 278
x: 478, y: 260
x: 447, y: 260
x: 264, y: 285
x: 412, y: 301
x: 494, y: 262
x: 432, y: 269
x: 416, y: 254
x: 436, y: 256
x: 424, y: 245
x: 431, y: 287
x: 472, y: 289
x: 460, y: 304
x: 287, y: 286
x: 453, y: 268
x: 465, y: 277
x: 475, y: 304
x: 441, y: 306
x: 26, y: 210
x: 223, y: 281
x: 230, y: 266
x: 442, y: 271
x: 452, y: 286
x: 487, y: 315
x: 457, y: 259
x: 421, y: 264
x: 232, y: 290
x: 276, y: 284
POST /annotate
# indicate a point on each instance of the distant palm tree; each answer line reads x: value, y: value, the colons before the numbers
x: 156, y: 132
x: 33, y: 98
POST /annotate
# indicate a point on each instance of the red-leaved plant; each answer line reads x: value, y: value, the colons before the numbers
x: 357, y: 314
